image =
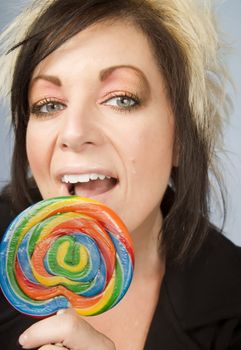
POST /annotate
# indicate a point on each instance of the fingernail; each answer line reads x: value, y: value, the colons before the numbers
x: 60, y: 312
x: 22, y: 339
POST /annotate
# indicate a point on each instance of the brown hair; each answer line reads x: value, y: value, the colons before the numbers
x: 187, y: 218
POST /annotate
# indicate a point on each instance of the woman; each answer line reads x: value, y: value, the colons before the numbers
x: 117, y: 101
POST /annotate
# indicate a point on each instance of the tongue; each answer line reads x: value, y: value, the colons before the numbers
x: 93, y: 187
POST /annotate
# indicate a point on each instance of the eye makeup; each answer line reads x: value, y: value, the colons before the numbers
x: 122, y: 88
x: 122, y: 101
x: 128, y: 78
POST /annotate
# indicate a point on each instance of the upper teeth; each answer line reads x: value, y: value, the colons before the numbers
x: 83, y: 178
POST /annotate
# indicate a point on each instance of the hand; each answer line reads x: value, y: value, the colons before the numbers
x: 65, y: 330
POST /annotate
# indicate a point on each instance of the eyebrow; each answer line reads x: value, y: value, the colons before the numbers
x: 52, y: 79
x: 105, y: 73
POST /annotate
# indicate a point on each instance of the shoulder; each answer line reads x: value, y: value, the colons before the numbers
x: 208, y: 288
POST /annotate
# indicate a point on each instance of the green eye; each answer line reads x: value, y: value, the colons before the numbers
x: 47, y: 107
x: 121, y: 102
x: 51, y: 107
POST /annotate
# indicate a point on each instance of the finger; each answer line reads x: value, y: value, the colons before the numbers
x: 43, y: 333
x: 81, y: 332
x: 52, y: 347
x: 67, y: 328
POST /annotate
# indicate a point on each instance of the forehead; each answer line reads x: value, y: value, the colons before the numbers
x: 102, y: 45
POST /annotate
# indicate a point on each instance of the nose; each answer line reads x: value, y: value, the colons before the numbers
x: 80, y: 128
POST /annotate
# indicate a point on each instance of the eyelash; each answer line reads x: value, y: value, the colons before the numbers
x: 127, y: 95
x: 36, y: 107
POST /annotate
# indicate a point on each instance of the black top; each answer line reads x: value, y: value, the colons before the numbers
x: 199, y: 307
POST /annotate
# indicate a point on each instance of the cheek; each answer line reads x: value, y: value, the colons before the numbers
x: 150, y: 164
x: 151, y: 153
x: 37, y: 150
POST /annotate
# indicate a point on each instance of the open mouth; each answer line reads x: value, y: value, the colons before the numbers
x: 89, y: 185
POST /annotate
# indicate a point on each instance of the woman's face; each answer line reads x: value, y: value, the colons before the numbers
x: 101, y: 125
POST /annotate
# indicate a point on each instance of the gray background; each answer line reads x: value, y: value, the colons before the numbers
x: 229, y: 13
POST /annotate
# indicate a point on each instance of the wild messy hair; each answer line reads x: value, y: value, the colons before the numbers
x: 186, y: 46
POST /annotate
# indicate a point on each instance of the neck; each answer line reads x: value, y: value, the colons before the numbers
x: 146, y: 240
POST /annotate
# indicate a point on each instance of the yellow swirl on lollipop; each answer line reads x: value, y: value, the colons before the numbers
x: 66, y: 251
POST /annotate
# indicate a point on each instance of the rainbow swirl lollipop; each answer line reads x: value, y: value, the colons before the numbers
x: 66, y: 251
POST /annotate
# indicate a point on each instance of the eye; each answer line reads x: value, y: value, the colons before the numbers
x: 47, y: 107
x: 51, y: 107
x: 122, y: 102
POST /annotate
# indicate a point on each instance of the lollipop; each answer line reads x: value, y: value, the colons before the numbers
x: 66, y: 251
